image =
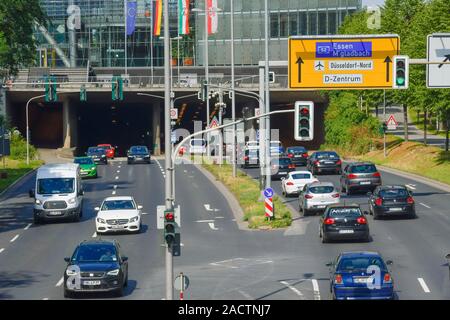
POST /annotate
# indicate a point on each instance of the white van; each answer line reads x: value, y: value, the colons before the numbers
x: 197, y: 146
x: 58, y: 192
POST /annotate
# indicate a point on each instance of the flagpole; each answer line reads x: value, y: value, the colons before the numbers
x: 125, y: 34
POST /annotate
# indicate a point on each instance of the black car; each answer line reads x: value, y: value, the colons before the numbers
x: 98, y: 154
x: 96, y: 266
x: 391, y: 200
x: 298, y: 155
x: 250, y: 158
x: 344, y: 222
x: 324, y: 161
x: 138, y: 153
x: 281, y: 167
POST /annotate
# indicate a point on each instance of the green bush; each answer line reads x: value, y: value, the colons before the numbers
x: 19, y: 147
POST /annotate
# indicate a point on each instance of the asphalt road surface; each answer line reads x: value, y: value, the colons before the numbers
x: 221, y: 261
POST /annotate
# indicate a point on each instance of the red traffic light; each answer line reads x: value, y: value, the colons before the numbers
x: 304, y: 111
x: 169, y: 216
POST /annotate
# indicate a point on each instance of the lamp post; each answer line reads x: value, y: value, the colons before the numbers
x: 233, y: 101
x: 267, y: 97
x: 28, y: 129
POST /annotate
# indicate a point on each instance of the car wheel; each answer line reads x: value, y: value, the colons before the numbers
x: 324, y: 238
x: 375, y: 216
x: 76, y: 218
x: 119, y: 292
x: 125, y: 284
x: 367, y: 238
x: 96, y: 176
x: 67, y: 294
x: 305, y: 212
x: 37, y: 220
x: 348, y: 191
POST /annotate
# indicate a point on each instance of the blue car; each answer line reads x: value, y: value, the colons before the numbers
x: 360, y: 275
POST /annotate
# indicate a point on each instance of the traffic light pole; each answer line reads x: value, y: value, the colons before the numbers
x: 28, y: 129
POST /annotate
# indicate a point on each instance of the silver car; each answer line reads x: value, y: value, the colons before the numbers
x: 361, y: 176
x: 317, y: 196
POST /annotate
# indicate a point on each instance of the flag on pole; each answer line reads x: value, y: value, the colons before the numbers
x: 131, y: 17
x: 183, y: 16
x: 157, y: 17
x: 212, y: 16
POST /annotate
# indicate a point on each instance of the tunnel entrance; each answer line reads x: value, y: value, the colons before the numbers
x: 115, y: 123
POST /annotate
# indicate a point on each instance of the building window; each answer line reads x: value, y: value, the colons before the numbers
x: 283, y: 25
x: 293, y: 23
x: 303, y: 23
x: 274, y: 25
x: 313, y: 23
x: 322, y: 23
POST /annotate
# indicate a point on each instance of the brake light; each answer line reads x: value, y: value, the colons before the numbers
x: 336, y: 195
x: 339, y: 162
x: 361, y: 220
x: 338, y: 279
x: 378, y: 201
x: 410, y: 200
x: 376, y: 175
x: 291, y: 166
x: 387, y: 278
x: 290, y: 155
x: 246, y: 158
x: 316, y: 162
x: 289, y: 183
x: 352, y: 176
x: 305, y: 155
x: 308, y: 196
x: 329, y: 221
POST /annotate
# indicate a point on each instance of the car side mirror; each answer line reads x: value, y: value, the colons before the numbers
x: 389, y: 262
x: 31, y: 193
x: 366, y: 213
x: 329, y: 264
x: 67, y: 259
x: 140, y: 207
x: 124, y: 259
x: 97, y: 208
x: 81, y: 192
x: 447, y: 256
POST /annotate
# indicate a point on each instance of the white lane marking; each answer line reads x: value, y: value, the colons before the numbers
x: 60, y: 282
x: 144, y: 213
x: 389, y: 238
x: 411, y: 186
x: 115, y: 187
x: 94, y: 235
x: 220, y: 217
x: 316, y: 289
x: 208, y: 208
x: 119, y: 167
x: 204, y: 221
x: 211, y: 225
x: 118, y: 171
x: 15, y: 238
x: 117, y: 178
x: 423, y: 204
x: 292, y: 288
x: 28, y: 226
x: 182, y: 244
x: 246, y: 295
x: 424, y: 285
x: 114, y: 192
x: 2, y: 249
x: 45, y: 299
x: 233, y: 219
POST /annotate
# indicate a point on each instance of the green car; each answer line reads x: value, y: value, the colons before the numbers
x: 88, y: 167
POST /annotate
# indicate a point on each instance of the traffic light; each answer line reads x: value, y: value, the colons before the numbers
x: 271, y: 77
x: 83, y: 93
x: 401, y: 72
x: 50, y: 89
x: 204, y: 94
x: 169, y: 226
x: 304, y: 121
x: 117, y: 88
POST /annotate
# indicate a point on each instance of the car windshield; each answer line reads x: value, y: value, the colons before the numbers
x: 104, y: 147
x: 283, y: 161
x: 344, y: 212
x: 95, y: 150
x: 296, y: 150
x: 84, y: 161
x: 296, y: 176
x: 55, y: 185
x: 95, y: 253
x: 360, y: 263
x: 253, y: 153
x: 363, y: 168
x: 139, y: 149
x: 327, y: 155
x: 388, y: 193
x: 198, y: 142
x: 321, y: 189
x: 252, y: 144
x: 118, y: 205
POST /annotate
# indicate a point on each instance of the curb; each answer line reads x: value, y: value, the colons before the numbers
x: 16, y: 182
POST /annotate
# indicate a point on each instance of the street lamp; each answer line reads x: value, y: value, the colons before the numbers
x: 28, y: 129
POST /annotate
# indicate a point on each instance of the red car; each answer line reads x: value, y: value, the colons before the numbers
x: 110, y: 150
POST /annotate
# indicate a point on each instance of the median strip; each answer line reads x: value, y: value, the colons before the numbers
x: 423, y: 285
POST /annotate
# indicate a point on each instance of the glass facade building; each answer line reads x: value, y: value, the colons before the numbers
x: 100, y: 38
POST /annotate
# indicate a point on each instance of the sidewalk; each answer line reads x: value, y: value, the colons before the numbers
x: 51, y: 156
x: 414, y: 133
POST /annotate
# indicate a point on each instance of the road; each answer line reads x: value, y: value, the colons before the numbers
x: 221, y: 261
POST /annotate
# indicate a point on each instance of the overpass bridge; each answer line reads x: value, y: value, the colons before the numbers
x: 73, y: 124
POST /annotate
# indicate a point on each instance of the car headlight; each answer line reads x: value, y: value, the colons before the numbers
x: 134, y: 219
x: 93, y: 168
x: 100, y: 220
x: 38, y: 201
x: 72, y: 201
x: 70, y: 272
x: 103, y: 155
x: 114, y: 272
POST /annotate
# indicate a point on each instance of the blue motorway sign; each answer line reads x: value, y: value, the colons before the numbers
x: 268, y: 193
x: 362, y: 49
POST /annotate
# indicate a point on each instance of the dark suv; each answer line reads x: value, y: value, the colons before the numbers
x: 96, y: 266
x: 360, y: 176
x: 138, y: 153
x: 391, y: 200
x: 324, y: 161
x: 97, y: 154
x: 298, y: 155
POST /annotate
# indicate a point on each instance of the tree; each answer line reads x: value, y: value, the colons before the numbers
x: 17, y: 45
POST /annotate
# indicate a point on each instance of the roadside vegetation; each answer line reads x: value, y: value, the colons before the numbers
x: 246, y: 190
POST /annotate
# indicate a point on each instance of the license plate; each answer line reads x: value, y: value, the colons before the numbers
x: 329, y: 162
x: 116, y: 227
x: 297, y: 156
x: 345, y: 231
x: 360, y: 280
x: 364, y: 182
x: 321, y: 207
x: 395, y: 209
x: 92, y: 283
x: 55, y: 213
x: 282, y: 172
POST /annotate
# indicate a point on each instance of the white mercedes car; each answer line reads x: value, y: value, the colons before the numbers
x: 118, y: 214
x: 295, y: 181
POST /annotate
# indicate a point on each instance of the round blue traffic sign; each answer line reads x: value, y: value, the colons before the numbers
x: 268, y: 193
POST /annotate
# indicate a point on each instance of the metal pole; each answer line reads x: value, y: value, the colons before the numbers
x: 220, y: 123
x: 206, y: 59
x: 27, y: 125
x: 72, y: 45
x: 262, y: 133
x: 384, y: 121
x: 151, y: 42
x: 125, y: 33
x: 168, y: 158
x: 233, y: 101
x: 267, y: 97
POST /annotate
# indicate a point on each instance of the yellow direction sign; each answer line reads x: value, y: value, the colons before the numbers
x: 342, y: 62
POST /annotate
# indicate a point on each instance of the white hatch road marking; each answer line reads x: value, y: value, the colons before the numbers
x: 211, y: 225
x: 60, y: 282
x: 117, y: 178
x: 423, y: 204
x: 144, y: 213
x: 246, y: 295
x: 316, y: 289
x: 423, y: 285
x: 114, y: 192
x: 236, y: 263
x: 204, y: 221
x: 15, y: 238
x: 28, y: 226
x: 411, y: 186
x: 94, y: 235
x: 115, y: 187
x: 45, y: 299
x: 208, y: 208
x: 2, y: 249
x: 297, y: 292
